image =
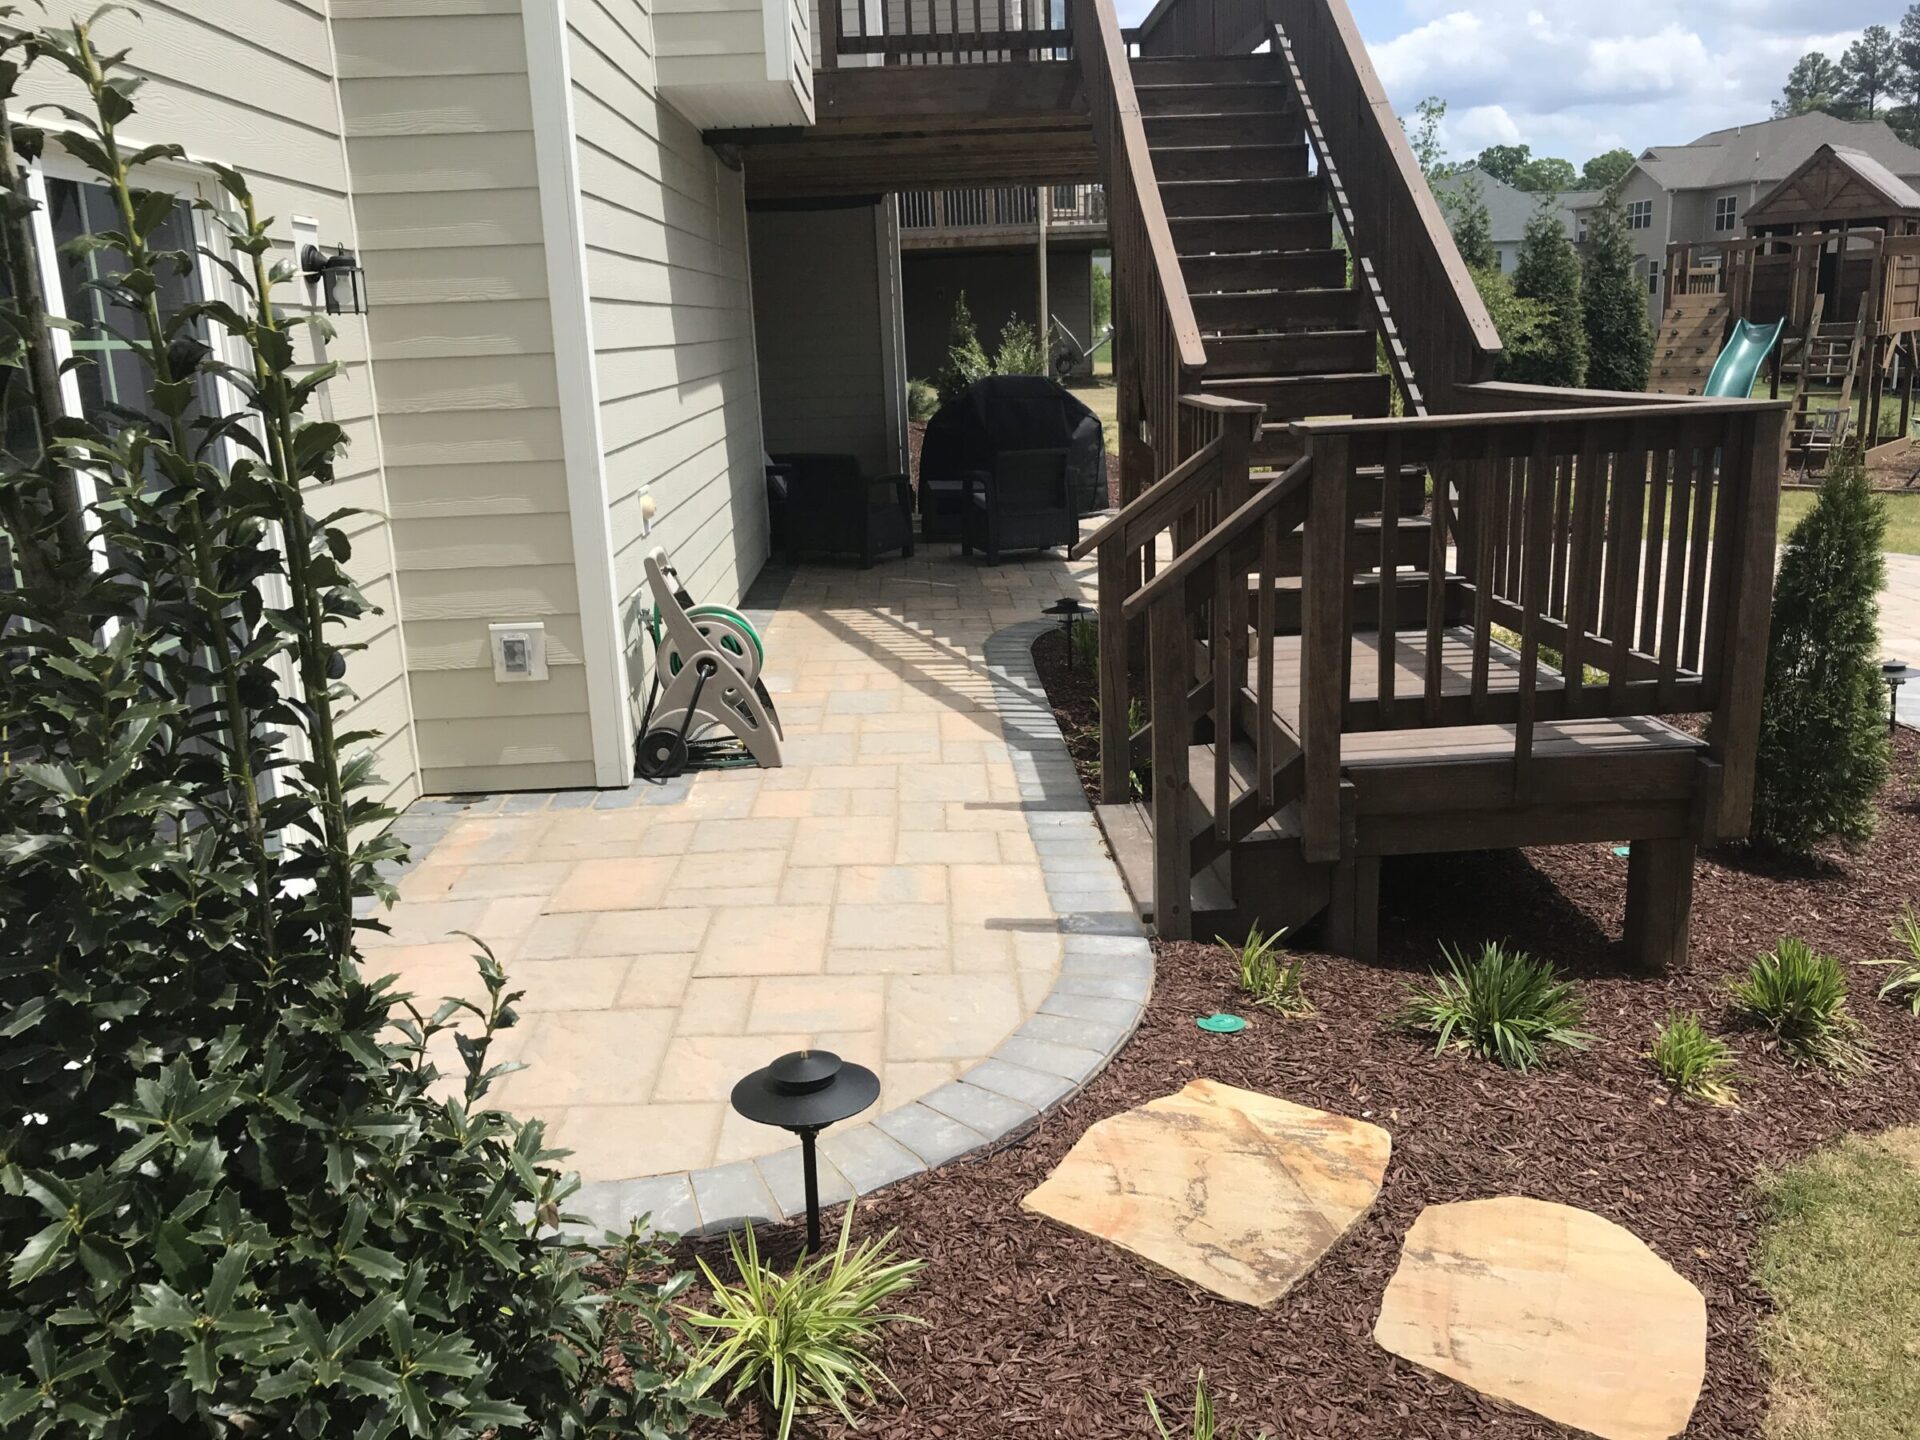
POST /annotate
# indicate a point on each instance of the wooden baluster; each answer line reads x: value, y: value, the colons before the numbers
x: 1703, y: 491
x: 1539, y: 471
x: 1487, y: 520
x: 1654, y: 550
x: 1562, y: 531
x: 1263, y: 679
x: 1742, y: 664
x: 1220, y: 654
x: 1441, y: 471
x: 1167, y: 707
x: 1629, y: 498
x: 1673, y: 603
x: 830, y: 33
x: 1325, y: 645
x: 1589, y: 511
x: 1116, y: 760
x: 1388, y: 629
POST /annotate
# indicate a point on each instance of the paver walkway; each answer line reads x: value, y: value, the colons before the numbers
x: 883, y: 895
x: 1900, y: 626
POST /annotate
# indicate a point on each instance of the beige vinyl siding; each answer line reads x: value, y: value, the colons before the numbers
x: 671, y: 317
x: 249, y: 83
x: 716, y: 66
x: 823, y: 373
x: 440, y: 138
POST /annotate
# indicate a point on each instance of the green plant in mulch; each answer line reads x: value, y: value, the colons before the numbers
x: 806, y: 1339
x: 923, y: 399
x: 1083, y: 645
x: 1269, y: 975
x: 1501, y: 1005
x: 1800, y: 996
x: 1903, y: 983
x: 236, y: 1197
x: 1692, y: 1061
x: 1205, y: 1425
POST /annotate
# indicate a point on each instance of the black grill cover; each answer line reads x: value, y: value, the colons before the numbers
x: 1017, y: 412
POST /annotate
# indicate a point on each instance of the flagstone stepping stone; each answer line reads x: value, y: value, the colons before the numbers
x: 1238, y: 1192
x: 1553, y: 1309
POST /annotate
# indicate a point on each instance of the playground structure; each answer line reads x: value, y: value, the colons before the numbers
x: 1832, y: 256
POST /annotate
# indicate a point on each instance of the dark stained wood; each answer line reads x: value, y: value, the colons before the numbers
x: 1167, y: 685
x: 1249, y: 312
x: 1308, y: 352
x: 1659, y: 899
x: 1249, y: 234
x: 1296, y: 195
x: 1229, y: 162
x: 1324, y: 646
x: 1266, y: 270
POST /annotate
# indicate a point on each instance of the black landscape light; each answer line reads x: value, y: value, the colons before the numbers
x: 1069, y: 610
x: 805, y: 1092
x: 343, y: 284
x: 1896, y: 673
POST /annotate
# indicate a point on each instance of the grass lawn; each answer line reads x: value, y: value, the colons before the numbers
x: 1903, y: 518
x: 1839, y: 1257
x: 1101, y: 396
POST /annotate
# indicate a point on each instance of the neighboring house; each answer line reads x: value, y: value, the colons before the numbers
x: 1509, y: 208
x: 989, y: 245
x: 561, y: 324
x: 1701, y: 192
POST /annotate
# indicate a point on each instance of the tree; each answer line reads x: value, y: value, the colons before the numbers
x: 967, y: 359
x: 1549, y: 272
x: 1814, y: 83
x: 237, y: 1196
x: 1869, y: 69
x: 1546, y: 175
x: 1505, y: 162
x: 1613, y: 303
x: 1603, y: 172
x: 1522, y: 323
x: 1424, y: 136
x: 1907, y: 52
x: 1823, y: 721
x: 1472, y: 226
x: 1102, y: 284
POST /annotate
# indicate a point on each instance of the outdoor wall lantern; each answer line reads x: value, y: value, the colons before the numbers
x: 805, y: 1092
x: 1069, y: 610
x: 1896, y: 673
x: 343, y: 284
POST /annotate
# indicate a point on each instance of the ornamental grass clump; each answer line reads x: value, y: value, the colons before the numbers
x: 1902, y: 985
x: 1800, y: 996
x: 1205, y: 1425
x: 236, y: 1197
x: 803, y: 1340
x: 1693, y: 1062
x: 1269, y: 976
x: 1501, y: 1005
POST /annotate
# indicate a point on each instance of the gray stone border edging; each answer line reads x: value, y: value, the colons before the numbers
x: 1106, y: 975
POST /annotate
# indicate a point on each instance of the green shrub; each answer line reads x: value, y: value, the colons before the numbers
x: 233, y: 1200
x: 1084, y: 645
x: 923, y: 399
x: 1613, y: 303
x: 805, y: 1339
x: 1268, y: 977
x: 1692, y: 1061
x: 1548, y: 273
x: 967, y: 359
x: 1021, y: 350
x: 1903, y: 985
x: 1501, y: 1005
x: 1801, y: 997
x: 1823, y: 723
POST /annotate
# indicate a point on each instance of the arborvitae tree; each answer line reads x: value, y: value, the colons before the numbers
x: 966, y: 357
x: 1823, y: 719
x: 1466, y: 209
x: 1613, y: 304
x: 1549, y: 272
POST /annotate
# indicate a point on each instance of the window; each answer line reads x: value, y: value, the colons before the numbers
x: 1723, y: 208
x: 1580, y: 231
x: 1653, y: 277
x: 1639, y: 215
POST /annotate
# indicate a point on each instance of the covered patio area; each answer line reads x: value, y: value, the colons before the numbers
x: 921, y: 889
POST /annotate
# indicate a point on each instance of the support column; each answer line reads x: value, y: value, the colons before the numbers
x: 1659, y: 901
x: 1041, y: 199
x: 1353, y: 911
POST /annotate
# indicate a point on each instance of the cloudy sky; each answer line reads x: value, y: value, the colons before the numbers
x: 1575, y: 77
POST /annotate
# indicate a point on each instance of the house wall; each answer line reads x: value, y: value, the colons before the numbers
x: 671, y: 325
x: 440, y: 137
x: 720, y: 59
x: 1000, y: 286
x: 823, y: 324
x: 273, y: 113
x: 1650, y: 245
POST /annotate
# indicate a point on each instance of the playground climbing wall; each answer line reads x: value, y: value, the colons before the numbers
x: 1687, y: 342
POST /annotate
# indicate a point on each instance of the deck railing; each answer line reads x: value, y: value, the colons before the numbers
x: 944, y: 32
x: 1003, y: 207
x: 1634, y: 541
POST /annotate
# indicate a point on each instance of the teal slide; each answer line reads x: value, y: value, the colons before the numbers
x: 1739, y: 363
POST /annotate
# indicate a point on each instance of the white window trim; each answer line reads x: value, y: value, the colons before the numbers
x: 1732, y: 204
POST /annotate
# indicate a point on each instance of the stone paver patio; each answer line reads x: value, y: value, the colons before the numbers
x: 1900, y: 626
x: 912, y: 890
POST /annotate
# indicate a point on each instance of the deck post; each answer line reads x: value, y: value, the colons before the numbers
x: 1353, y: 911
x: 1326, y: 640
x: 1116, y: 760
x: 830, y: 33
x: 1659, y: 899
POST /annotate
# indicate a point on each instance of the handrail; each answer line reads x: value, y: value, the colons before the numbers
x: 1292, y: 481
x: 1151, y: 498
x: 1646, y: 407
x: 1398, y: 229
x: 903, y: 33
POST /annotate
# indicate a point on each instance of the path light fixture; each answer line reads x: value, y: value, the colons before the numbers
x: 805, y: 1092
x: 343, y: 284
x: 1068, y: 610
x: 1896, y: 673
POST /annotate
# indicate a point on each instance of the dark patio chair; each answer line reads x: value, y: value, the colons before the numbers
x: 831, y: 507
x: 1026, y: 503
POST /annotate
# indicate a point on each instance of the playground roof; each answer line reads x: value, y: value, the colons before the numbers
x: 1834, y: 184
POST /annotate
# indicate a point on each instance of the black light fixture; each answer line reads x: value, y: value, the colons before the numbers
x: 805, y: 1092
x: 343, y: 284
x: 1069, y: 610
x: 1896, y: 673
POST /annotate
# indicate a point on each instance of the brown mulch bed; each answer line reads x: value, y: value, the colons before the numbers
x: 1036, y: 1332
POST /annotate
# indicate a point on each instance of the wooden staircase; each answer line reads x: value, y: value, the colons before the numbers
x: 1829, y: 362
